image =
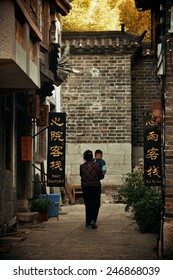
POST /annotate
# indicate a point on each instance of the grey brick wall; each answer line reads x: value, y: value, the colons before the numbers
x: 98, y: 106
x: 145, y: 89
x: 168, y: 225
x: 98, y: 100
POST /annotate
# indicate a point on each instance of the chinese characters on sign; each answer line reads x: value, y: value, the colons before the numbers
x: 152, y: 152
x: 26, y: 148
x: 56, y: 150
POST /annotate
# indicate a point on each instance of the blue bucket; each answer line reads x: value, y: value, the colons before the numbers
x: 53, y: 210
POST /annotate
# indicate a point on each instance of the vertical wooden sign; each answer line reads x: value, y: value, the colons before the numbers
x: 152, y: 152
x: 56, y: 150
x: 43, y: 116
x: 26, y: 152
x: 33, y: 106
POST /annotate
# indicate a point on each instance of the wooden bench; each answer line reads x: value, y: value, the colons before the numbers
x: 76, y: 189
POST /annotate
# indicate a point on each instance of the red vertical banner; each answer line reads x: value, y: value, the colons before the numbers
x: 26, y: 143
x: 56, y: 150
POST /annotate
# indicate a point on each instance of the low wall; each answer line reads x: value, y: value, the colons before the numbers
x: 117, y: 157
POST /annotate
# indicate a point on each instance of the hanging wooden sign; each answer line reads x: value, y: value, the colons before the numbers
x: 56, y: 150
x: 33, y: 106
x: 43, y: 116
x: 152, y: 152
x: 26, y: 152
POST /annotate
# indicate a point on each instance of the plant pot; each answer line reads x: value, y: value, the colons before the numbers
x: 41, y: 217
x: 45, y: 217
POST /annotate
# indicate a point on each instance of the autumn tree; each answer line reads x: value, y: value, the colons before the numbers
x: 104, y: 15
x: 135, y: 22
x: 92, y: 15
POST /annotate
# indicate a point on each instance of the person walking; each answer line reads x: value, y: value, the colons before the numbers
x: 91, y: 174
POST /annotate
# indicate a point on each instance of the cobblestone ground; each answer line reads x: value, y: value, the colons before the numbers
x: 116, y: 238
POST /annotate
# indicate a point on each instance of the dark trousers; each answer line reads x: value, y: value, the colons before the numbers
x: 92, y: 203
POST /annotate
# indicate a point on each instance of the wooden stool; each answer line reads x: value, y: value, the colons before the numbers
x: 76, y: 189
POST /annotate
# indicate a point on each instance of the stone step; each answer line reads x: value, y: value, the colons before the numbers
x: 27, y: 217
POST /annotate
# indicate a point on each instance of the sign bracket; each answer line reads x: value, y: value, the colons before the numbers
x: 40, y: 132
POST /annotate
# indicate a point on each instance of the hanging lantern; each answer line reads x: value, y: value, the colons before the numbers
x: 157, y: 111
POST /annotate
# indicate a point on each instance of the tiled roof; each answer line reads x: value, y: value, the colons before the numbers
x: 101, y: 42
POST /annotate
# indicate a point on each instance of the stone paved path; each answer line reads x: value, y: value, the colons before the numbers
x: 116, y: 238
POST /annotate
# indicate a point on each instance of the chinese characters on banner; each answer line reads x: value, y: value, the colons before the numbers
x: 26, y: 152
x: 56, y: 150
x: 152, y: 152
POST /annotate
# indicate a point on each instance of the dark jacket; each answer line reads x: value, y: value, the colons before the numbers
x: 91, y: 174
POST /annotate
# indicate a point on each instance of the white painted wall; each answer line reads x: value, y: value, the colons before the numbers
x: 116, y: 155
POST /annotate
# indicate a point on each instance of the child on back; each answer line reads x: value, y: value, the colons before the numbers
x: 100, y: 160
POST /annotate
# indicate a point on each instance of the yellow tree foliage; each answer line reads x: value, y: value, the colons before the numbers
x: 135, y: 22
x: 92, y: 15
x: 105, y: 15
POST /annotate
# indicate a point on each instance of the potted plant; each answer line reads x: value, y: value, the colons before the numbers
x: 41, y: 205
x: 146, y: 202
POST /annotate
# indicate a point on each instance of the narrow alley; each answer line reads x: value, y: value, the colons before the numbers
x: 116, y: 238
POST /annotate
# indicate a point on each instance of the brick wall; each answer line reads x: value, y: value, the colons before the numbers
x: 168, y: 225
x: 166, y: 89
x: 98, y: 106
x: 169, y: 125
x: 169, y: 140
x: 98, y: 99
x: 144, y: 90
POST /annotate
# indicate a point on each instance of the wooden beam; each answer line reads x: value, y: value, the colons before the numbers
x: 62, y: 6
x: 29, y: 20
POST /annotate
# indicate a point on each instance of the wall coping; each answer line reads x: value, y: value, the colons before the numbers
x: 102, y: 42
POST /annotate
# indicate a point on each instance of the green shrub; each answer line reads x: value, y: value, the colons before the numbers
x: 147, y: 211
x: 133, y: 188
x: 40, y: 205
x: 145, y: 201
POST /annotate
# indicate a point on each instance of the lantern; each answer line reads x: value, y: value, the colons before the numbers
x: 157, y: 111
